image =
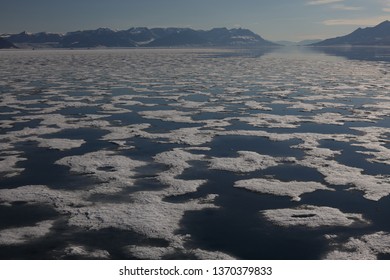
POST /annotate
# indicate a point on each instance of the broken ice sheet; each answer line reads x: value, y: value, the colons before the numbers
x: 147, y: 214
x: 345, y: 92
x: 366, y: 247
x: 373, y: 187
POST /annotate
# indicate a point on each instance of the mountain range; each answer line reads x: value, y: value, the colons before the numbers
x: 182, y: 37
x: 371, y: 36
x: 141, y: 37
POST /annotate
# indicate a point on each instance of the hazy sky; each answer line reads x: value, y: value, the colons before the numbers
x: 272, y: 19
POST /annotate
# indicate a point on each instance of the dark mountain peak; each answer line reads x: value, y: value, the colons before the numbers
x: 34, y: 38
x: 385, y: 23
x: 103, y: 30
x: 137, y: 30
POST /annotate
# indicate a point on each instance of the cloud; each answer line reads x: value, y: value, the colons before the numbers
x: 323, y: 2
x: 357, y: 22
x: 346, y: 8
x: 386, y: 4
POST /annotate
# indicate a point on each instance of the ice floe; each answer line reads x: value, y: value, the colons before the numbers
x: 292, y: 189
x: 21, y: 235
x: 153, y: 253
x: 373, y: 187
x: 272, y: 121
x: 82, y: 252
x: 8, y: 165
x: 147, y: 214
x: 105, y: 165
x: 247, y: 162
x: 313, y: 217
x: 366, y: 247
x: 168, y: 115
x: 39, y: 194
x: 178, y: 160
x: 257, y: 106
x: 58, y: 144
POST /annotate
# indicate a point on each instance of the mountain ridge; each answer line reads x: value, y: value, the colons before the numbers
x: 141, y: 37
x: 378, y: 35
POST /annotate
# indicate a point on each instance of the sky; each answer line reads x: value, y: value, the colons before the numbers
x: 292, y: 20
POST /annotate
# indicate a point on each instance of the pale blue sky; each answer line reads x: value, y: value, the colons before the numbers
x: 272, y: 19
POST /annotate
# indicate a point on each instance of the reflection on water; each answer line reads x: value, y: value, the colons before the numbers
x: 357, y: 53
x: 243, y: 52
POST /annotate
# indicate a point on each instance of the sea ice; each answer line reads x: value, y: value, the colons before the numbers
x: 105, y: 165
x: 312, y: 217
x: 58, y: 144
x: 80, y: 251
x: 292, y: 189
x: 21, y: 235
x: 366, y: 247
x: 247, y: 162
x: 177, y: 160
x: 8, y: 165
x: 168, y: 115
